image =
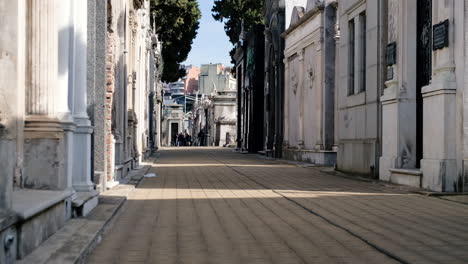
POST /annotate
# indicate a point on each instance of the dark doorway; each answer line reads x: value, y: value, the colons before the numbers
x: 218, y: 134
x: 271, y: 102
x: 423, y: 67
x: 174, y: 132
x: 240, y: 81
x: 151, y: 124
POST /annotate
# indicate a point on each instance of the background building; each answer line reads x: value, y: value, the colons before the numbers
x: 215, y: 106
x: 191, y: 80
x: 215, y: 77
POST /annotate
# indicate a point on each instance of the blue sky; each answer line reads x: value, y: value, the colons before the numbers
x: 211, y: 45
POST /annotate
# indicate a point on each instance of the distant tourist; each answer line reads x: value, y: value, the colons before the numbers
x: 181, y: 140
x: 228, y: 140
x: 201, y: 135
x: 188, y: 139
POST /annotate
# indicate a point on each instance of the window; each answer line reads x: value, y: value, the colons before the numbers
x: 351, y: 57
x: 362, y: 52
x: 357, y: 54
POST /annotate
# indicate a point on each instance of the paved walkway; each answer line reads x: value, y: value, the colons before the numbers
x: 216, y: 206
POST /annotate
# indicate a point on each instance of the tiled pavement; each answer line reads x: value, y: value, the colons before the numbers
x: 216, y: 206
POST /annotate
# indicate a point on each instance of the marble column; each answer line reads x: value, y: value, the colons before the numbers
x: 43, y: 162
x: 42, y: 64
x: 82, y: 136
x: 64, y: 86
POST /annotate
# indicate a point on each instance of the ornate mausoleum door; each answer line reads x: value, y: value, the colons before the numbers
x: 424, y: 66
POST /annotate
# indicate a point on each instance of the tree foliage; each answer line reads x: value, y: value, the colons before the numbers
x: 177, y: 22
x: 234, y: 12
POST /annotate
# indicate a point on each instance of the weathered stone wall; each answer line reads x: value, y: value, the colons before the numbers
x: 11, y: 98
x: 309, y: 85
x: 359, y: 114
x: 37, y: 229
x: 465, y: 106
x: 223, y: 117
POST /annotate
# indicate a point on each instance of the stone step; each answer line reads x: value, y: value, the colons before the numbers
x: 408, y: 177
x: 78, y: 237
x: 84, y: 203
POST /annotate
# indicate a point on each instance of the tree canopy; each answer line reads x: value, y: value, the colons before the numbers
x: 233, y: 12
x: 177, y: 22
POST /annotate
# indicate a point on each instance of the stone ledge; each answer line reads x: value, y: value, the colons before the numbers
x: 77, y: 238
x: 111, y: 184
x: 318, y: 157
x: 84, y: 203
x: 7, y: 219
x: 27, y: 203
x: 310, y: 150
x: 410, y: 172
x: 409, y: 177
x: 82, y: 197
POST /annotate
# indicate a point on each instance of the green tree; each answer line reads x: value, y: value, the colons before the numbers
x: 177, y: 22
x: 234, y: 12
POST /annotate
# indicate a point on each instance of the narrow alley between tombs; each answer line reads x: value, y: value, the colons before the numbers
x: 221, y: 131
x: 209, y: 205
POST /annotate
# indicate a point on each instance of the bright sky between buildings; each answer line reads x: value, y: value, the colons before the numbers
x: 211, y: 45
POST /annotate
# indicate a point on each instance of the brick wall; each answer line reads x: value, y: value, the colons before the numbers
x: 191, y: 83
x: 110, y: 87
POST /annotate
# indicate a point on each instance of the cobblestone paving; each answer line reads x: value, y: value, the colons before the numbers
x: 216, y: 206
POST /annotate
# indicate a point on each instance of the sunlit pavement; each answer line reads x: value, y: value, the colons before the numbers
x: 218, y: 206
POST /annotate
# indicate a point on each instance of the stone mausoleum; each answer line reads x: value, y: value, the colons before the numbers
x: 309, y: 124
x: 78, y: 79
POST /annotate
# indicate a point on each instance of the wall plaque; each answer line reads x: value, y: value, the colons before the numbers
x: 440, y: 36
x: 391, y: 54
x: 389, y: 73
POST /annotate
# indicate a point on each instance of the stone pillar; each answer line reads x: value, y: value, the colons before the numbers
x: 329, y: 75
x: 286, y: 106
x: 157, y: 109
x: 82, y: 136
x: 465, y: 105
x: 439, y: 164
x: 97, y: 33
x: 337, y: 78
x: 64, y: 85
x: 44, y: 150
x: 42, y: 63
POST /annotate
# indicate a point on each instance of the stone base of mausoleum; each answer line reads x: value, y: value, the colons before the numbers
x: 319, y: 157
